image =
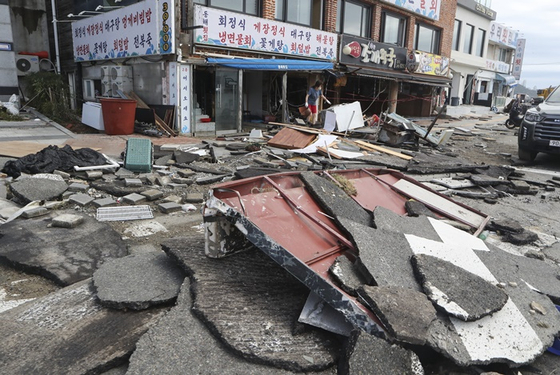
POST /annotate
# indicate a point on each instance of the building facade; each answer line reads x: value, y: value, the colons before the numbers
x: 225, y: 63
x: 480, y: 58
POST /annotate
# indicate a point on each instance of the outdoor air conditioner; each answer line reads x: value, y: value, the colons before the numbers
x: 27, y: 64
x: 106, y: 89
x: 120, y: 71
x: 121, y: 84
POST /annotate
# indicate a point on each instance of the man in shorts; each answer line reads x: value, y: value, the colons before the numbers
x: 311, y: 98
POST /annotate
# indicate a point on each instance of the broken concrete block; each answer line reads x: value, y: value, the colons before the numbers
x: 169, y: 207
x: 407, y: 314
x: 124, y: 173
x: 138, y: 281
x: 115, y: 188
x: 194, y: 198
x: 72, y: 327
x: 173, y: 198
x: 57, y: 253
x: 104, y: 202
x: 335, y: 201
x: 520, y: 185
x: 252, y: 325
x: 552, y: 252
x: 152, y: 194
x: 94, y: 175
x: 37, y: 189
x: 209, y: 180
x: 506, y: 226
x: 134, y: 198
x: 163, y: 160
x: 81, y: 199
x: 132, y: 182
x: 484, y: 180
x: 30, y: 212
x: 67, y: 221
x: 367, y: 354
x: 388, y: 220
x: 347, y: 275
x: 455, y: 291
x: 182, y: 181
x: 78, y: 187
x: 185, y: 173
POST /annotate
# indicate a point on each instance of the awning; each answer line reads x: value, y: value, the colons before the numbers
x: 509, y: 80
x: 271, y: 64
x: 401, y: 76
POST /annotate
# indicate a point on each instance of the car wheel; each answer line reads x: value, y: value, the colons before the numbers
x: 509, y: 124
x: 526, y: 155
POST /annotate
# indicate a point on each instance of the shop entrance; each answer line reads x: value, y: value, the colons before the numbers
x: 227, y: 101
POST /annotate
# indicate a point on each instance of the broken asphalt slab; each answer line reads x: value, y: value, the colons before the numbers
x: 181, y: 344
x: 437, y: 163
x: 455, y: 291
x: 64, y: 255
x: 38, y: 188
x: 407, y: 314
x: 137, y: 282
x: 251, y: 304
x: 67, y: 332
x: 367, y: 354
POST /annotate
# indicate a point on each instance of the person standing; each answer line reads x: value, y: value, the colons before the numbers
x: 311, y: 99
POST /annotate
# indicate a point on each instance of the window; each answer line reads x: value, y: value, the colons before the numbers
x: 456, y: 35
x: 427, y: 39
x: 353, y: 18
x: 303, y: 12
x: 468, y: 42
x: 480, y: 39
x: 504, y: 55
x: 393, y: 29
x: 242, y: 6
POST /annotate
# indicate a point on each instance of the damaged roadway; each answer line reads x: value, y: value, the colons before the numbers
x: 179, y: 311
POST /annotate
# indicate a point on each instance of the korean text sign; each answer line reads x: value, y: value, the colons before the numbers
x: 426, y: 8
x: 235, y: 30
x: 144, y: 28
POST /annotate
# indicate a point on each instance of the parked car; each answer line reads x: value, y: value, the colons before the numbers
x: 540, y: 129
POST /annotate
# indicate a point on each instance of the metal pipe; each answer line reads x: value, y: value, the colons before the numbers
x: 55, y: 32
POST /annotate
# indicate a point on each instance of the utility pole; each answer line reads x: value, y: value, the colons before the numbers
x: 55, y: 32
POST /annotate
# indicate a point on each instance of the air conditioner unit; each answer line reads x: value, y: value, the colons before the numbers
x: 26, y: 64
x: 120, y: 71
x: 121, y: 84
x: 106, y: 89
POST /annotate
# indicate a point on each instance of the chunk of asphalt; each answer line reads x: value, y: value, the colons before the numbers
x: 435, y: 164
x: 250, y: 303
x: 181, y: 344
x: 335, y: 201
x: 384, y: 256
x: 62, y: 255
x: 415, y: 209
x: 507, y: 267
x: 182, y: 157
x: 68, y: 332
x: 524, y: 238
x: 407, y: 314
x: 37, y: 189
x: 483, y: 341
x: 138, y: 281
x: 347, y: 275
x: 390, y: 221
x: 456, y: 291
x: 484, y: 180
x: 367, y: 354
x: 116, y: 188
x: 552, y: 252
x: 254, y: 172
x: 506, y: 226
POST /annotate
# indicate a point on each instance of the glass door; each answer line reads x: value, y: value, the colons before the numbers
x: 227, y: 101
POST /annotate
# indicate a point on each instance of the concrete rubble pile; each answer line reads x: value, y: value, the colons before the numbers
x: 275, y: 259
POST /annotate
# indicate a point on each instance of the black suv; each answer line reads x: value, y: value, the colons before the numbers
x: 540, y: 129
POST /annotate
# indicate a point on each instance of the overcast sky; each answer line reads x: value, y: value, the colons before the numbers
x: 539, y: 22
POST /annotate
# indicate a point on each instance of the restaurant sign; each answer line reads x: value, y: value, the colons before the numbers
x: 144, y: 28
x: 221, y: 28
x: 367, y: 53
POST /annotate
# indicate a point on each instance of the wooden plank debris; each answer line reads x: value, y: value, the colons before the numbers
x: 370, y: 147
x: 291, y: 139
x: 160, y: 123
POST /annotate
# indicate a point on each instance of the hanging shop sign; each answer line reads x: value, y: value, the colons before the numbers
x: 367, y: 53
x: 426, y: 8
x: 185, y: 92
x: 144, y: 28
x: 503, y: 35
x: 497, y: 66
x: 430, y: 64
x: 221, y: 28
x: 518, y: 60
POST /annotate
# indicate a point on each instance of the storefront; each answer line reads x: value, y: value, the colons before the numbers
x: 255, y: 69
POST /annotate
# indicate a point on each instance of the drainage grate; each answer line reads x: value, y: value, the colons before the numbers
x: 124, y: 213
